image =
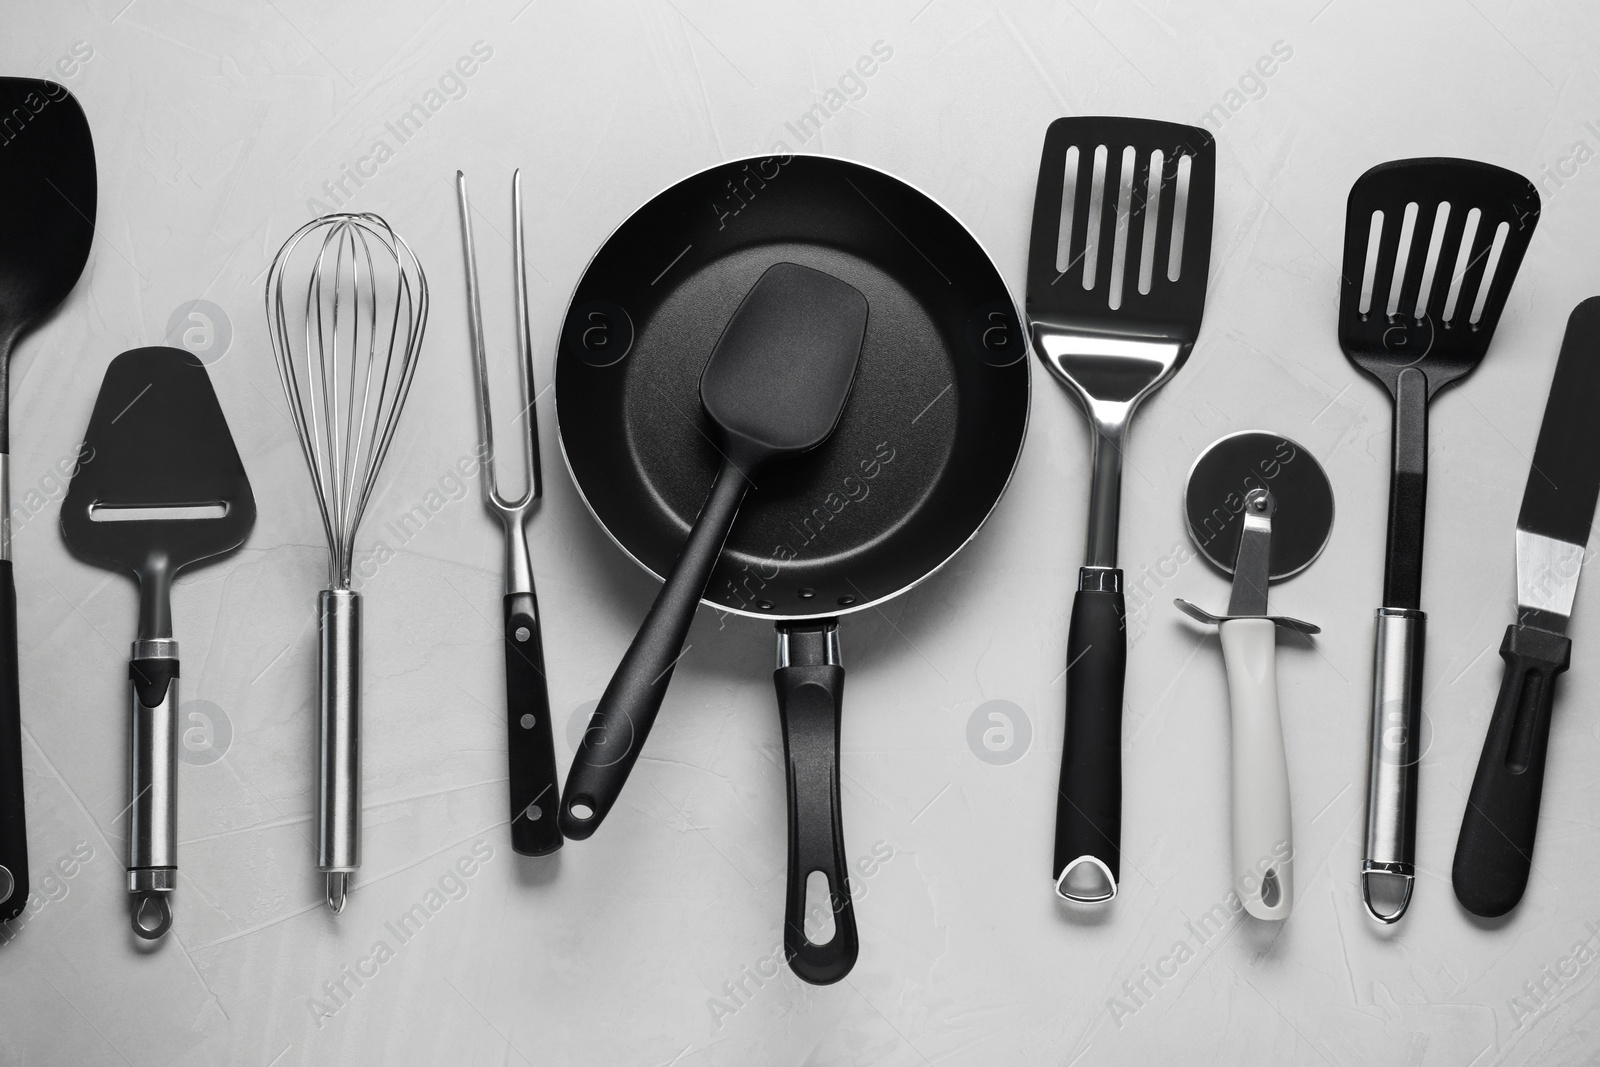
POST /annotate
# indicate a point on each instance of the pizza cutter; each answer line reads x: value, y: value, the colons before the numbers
x: 1260, y: 508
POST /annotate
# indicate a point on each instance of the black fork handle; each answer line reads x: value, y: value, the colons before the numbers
x: 1088, y: 866
x: 530, y: 741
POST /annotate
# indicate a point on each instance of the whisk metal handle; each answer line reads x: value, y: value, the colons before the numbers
x: 339, y: 705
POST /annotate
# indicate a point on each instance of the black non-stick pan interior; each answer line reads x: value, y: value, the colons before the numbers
x: 928, y: 438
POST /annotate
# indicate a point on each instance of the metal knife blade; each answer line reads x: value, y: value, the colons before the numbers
x: 1558, y: 504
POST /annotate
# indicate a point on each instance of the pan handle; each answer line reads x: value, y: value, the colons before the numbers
x: 628, y: 708
x: 810, y: 684
x: 13, y: 828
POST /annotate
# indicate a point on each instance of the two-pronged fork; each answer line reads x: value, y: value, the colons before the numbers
x: 530, y: 743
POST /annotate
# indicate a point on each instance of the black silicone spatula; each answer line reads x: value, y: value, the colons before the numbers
x: 1117, y: 265
x: 1495, y: 851
x: 1431, y: 247
x: 164, y: 490
x: 775, y: 386
x: 47, y: 204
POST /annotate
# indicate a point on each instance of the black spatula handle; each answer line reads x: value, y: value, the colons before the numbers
x: 13, y: 828
x: 1495, y: 851
x: 1089, y: 807
x: 810, y: 698
x: 530, y: 744
x: 628, y: 708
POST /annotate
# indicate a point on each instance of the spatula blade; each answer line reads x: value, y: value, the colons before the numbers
x: 1111, y: 250
x: 1564, y: 482
x: 48, y: 189
x: 779, y: 376
x: 157, y: 440
x: 1458, y: 227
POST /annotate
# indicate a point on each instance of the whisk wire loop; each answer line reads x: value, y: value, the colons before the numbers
x: 346, y: 347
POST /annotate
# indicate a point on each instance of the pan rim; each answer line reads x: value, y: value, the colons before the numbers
x: 836, y: 610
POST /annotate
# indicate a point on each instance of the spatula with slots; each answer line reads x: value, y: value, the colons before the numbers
x: 1431, y: 247
x: 1117, y: 267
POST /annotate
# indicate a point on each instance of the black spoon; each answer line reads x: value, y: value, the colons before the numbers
x: 775, y: 386
x: 47, y: 205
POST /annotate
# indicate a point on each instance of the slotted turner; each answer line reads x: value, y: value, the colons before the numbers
x: 1431, y: 247
x: 163, y: 489
x: 1117, y: 267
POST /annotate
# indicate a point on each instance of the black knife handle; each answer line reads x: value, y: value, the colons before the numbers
x: 530, y: 742
x: 810, y: 698
x: 13, y: 826
x: 1088, y: 853
x: 1495, y: 851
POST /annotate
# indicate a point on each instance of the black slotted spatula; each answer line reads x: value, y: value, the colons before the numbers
x: 1117, y: 265
x: 162, y: 488
x: 47, y: 208
x: 1431, y: 247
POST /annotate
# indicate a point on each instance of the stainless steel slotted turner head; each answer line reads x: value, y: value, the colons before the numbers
x: 1117, y: 268
x: 1431, y: 248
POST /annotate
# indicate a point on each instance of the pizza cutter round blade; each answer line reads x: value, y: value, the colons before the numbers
x: 1260, y: 508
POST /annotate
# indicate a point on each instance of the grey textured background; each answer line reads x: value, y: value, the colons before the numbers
x: 216, y: 122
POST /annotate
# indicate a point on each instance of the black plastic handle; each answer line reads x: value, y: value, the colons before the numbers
x: 1408, y: 492
x: 628, y: 708
x: 810, y: 698
x: 530, y: 743
x: 1495, y: 851
x: 13, y: 825
x: 1089, y: 807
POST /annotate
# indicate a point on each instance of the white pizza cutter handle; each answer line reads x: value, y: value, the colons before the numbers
x: 1263, y: 843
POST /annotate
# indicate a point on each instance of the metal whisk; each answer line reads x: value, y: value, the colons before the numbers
x: 347, y: 303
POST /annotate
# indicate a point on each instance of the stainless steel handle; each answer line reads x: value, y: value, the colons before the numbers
x: 1388, y: 868
x: 339, y: 769
x: 153, y: 783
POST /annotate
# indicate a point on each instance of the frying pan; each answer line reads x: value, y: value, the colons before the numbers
x: 922, y: 452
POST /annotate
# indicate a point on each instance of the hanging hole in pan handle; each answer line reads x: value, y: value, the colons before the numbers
x: 151, y: 914
x: 820, y: 928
